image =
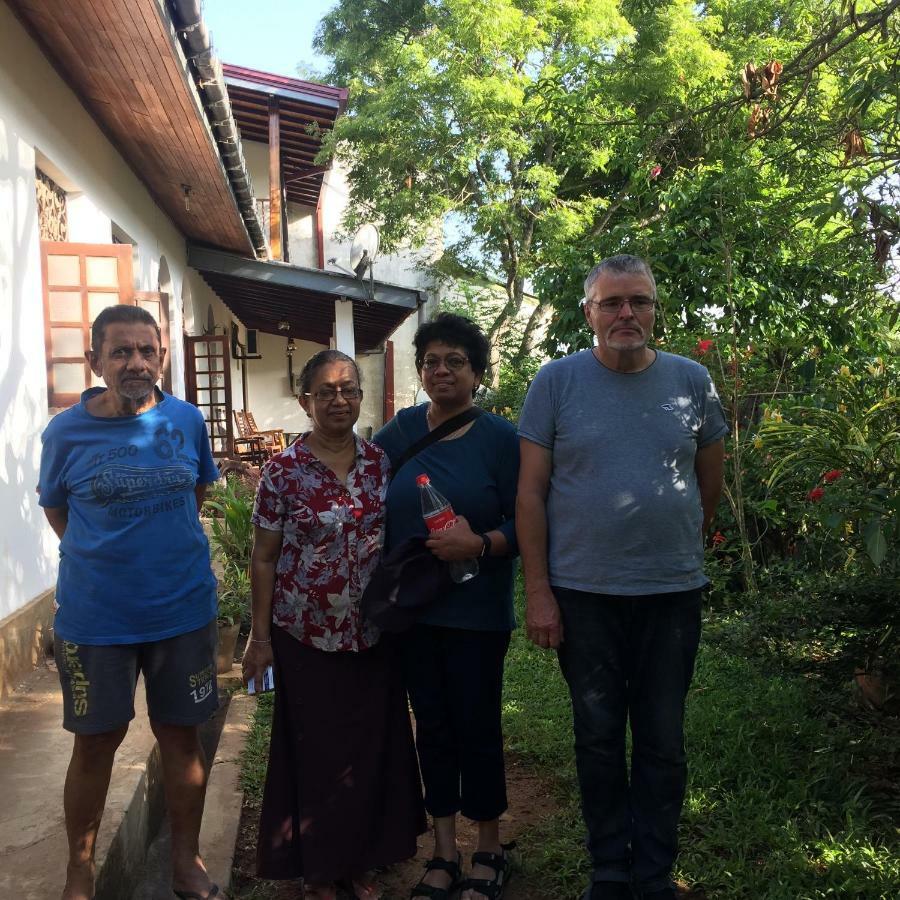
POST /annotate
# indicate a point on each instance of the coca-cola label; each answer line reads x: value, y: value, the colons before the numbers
x: 441, y: 520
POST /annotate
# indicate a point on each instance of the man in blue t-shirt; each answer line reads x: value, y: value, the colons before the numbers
x: 621, y: 471
x: 123, y: 475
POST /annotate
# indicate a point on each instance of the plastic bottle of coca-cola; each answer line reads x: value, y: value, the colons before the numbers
x: 439, y: 516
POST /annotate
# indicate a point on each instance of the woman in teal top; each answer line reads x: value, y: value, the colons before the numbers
x: 453, y: 656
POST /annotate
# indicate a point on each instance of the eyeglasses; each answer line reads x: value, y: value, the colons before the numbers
x: 327, y: 394
x: 614, y: 304
x: 454, y: 362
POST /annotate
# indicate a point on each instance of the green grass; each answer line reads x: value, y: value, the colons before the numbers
x: 254, y: 760
x: 792, y: 792
x: 255, y: 757
x: 783, y: 801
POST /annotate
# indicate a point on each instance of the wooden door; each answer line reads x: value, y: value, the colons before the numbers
x: 208, y: 375
x: 79, y: 280
x: 157, y: 304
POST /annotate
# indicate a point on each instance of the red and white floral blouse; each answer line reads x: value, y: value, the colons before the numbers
x: 331, y: 538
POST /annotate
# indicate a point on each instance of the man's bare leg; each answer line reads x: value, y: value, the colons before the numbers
x: 184, y: 781
x: 84, y: 797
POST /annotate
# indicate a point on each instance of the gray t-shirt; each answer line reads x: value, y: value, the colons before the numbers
x: 623, y: 510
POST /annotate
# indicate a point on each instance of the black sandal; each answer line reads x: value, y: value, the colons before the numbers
x: 453, y: 869
x: 492, y: 888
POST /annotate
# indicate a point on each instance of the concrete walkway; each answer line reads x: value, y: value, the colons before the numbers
x: 34, y: 754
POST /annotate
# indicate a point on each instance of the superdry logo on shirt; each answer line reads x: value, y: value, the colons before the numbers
x: 130, y: 484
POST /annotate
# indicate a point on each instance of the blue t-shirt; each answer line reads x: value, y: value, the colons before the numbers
x: 623, y: 507
x: 478, y: 474
x: 134, y: 561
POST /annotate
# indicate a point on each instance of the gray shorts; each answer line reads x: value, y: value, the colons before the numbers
x: 99, y: 681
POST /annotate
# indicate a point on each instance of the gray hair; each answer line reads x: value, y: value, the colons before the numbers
x: 124, y: 314
x: 623, y: 264
x: 323, y: 358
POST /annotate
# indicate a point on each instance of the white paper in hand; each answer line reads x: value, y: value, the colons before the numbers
x: 268, y: 683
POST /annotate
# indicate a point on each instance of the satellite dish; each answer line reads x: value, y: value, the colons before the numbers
x: 364, y: 249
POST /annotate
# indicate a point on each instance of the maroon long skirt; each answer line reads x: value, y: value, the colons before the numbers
x: 343, y: 793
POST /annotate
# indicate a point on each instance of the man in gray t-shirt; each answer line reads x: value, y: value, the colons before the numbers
x: 622, y: 455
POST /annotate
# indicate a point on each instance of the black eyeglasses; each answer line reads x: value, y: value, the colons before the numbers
x: 614, y: 304
x: 327, y: 394
x: 454, y: 362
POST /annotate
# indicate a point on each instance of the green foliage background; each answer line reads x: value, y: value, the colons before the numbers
x: 750, y: 151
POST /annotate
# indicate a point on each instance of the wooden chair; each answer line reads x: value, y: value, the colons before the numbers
x: 273, y: 435
x: 250, y: 450
x: 273, y: 439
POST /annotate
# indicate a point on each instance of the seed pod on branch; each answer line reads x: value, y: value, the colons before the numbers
x: 753, y: 121
x: 854, y: 145
x: 748, y: 74
x: 883, y: 243
x: 769, y: 76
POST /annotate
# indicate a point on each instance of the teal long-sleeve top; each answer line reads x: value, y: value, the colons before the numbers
x: 477, y: 473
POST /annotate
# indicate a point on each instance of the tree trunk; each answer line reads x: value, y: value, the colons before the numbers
x: 537, y: 322
x: 500, y: 329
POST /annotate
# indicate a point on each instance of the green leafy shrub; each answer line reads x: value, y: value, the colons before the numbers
x: 843, y: 457
x: 231, y: 505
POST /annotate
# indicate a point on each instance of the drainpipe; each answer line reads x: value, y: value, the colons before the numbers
x: 207, y: 73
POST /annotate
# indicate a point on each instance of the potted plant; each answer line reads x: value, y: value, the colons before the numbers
x: 234, y: 603
x: 231, y: 505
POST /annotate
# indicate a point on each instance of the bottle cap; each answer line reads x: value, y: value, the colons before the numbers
x: 422, y: 479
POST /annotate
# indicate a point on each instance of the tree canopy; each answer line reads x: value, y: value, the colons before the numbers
x: 748, y: 148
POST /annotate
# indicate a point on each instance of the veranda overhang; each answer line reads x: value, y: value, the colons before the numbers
x: 265, y: 295
x: 306, y: 111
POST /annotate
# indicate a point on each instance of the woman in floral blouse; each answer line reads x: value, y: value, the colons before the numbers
x: 342, y: 791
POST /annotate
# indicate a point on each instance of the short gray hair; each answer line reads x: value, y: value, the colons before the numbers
x: 323, y: 358
x: 622, y: 264
x: 123, y: 314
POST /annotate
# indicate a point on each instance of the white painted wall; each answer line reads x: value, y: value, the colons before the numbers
x: 87, y: 223
x: 28, y: 554
x: 39, y: 113
x: 256, y: 156
x: 274, y: 406
x: 270, y: 398
x: 406, y: 378
x: 302, y: 236
x: 402, y: 267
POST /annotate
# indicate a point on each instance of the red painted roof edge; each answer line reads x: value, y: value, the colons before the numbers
x: 264, y: 79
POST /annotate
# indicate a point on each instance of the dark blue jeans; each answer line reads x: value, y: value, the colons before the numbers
x: 630, y: 659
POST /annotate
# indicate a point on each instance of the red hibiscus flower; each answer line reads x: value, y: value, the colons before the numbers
x: 655, y: 171
x: 703, y: 347
x: 718, y: 538
x: 832, y: 476
x: 816, y: 494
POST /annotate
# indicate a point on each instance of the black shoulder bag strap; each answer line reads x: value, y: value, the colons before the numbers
x: 445, y: 428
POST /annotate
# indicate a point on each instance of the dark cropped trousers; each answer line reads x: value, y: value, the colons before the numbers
x: 454, y: 677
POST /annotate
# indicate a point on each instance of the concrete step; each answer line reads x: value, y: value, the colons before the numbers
x: 34, y: 755
x: 222, y: 812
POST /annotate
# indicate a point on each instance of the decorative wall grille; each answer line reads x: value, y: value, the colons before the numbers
x: 53, y: 222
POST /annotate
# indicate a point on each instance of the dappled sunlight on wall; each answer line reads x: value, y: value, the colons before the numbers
x: 27, y: 546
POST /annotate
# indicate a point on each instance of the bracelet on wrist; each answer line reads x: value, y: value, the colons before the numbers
x: 485, y: 545
x: 258, y: 641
